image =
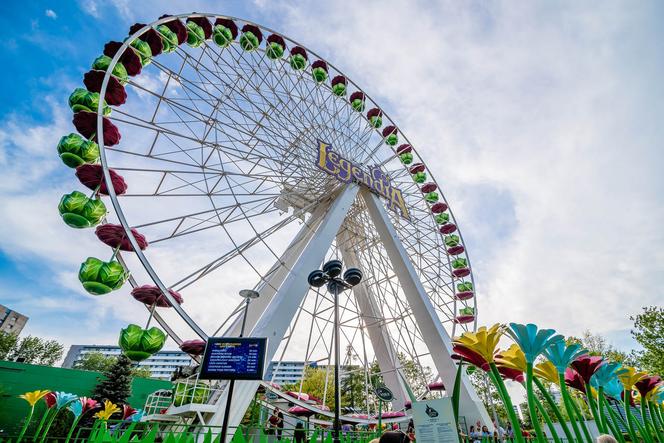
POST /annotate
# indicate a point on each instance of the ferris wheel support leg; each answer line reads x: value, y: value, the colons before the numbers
x: 267, y: 287
x: 378, y: 333
x: 277, y: 317
x: 434, y: 334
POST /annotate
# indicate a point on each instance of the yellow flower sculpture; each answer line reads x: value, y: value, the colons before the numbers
x: 547, y: 371
x: 109, y: 409
x: 33, y: 397
x: 630, y: 376
x: 513, y: 358
x: 483, y: 342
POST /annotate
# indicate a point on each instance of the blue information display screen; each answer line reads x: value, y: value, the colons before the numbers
x: 234, y: 358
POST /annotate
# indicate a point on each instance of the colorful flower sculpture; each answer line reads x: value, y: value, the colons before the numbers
x: 479, y: 349
x: 99, y: 277
x: 138, y: 343
x: 32, y: 398
x: 319, y: 71
x: 79, y: 211
x: 533, y: 342
x: 75, y: 151
x: 251, y: 37
x: 84, y: 100
x: 110, y: 408
x: 298, y: 58
x: 62, y: 400
x: 276, y: 46
x: 225, y: 31
x: 339, y: 85
x: 79, y: 408
x: 92, y: 176
x: 375, y: 117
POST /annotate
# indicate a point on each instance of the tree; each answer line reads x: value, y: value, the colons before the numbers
x: 649, y: 332
x: 596, y: 344
x: 96, y: 361
x: 115, y: 383
x: 33, y: 350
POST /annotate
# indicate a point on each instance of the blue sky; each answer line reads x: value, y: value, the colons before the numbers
x: 543, y: 121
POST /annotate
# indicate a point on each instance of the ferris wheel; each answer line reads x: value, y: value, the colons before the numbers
x: 238, y: 159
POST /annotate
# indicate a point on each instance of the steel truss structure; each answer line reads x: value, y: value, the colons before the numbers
x: 219, y: 150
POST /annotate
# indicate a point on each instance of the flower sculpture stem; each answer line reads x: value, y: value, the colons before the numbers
x: 616, y: 422
x: 649, y: 424
x: 630, y: 419
x: 572, y: 412
x: 657, y: 421
x: 532, y: 403
x: 49, y: 423
x: 554, y: 407
x: 593, y: 410
x: 498, y: 382
x: 457, y: 392
x: 547, y: 420
x: 28, y: 419
x: 47, y: 414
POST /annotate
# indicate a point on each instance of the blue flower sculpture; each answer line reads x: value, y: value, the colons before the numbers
x: 533, y: 341
x: 561, y: 355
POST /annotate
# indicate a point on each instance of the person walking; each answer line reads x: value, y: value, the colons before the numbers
x: 299, y: 435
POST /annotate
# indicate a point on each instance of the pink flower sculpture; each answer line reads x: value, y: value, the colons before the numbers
x: 587, y: 365
x: 574, y: 380
x: 511, y: 374
x: 49, y: 399
x: 115, y: 236
x: 127, y: 411
x: 150, y: 295
x: 471, y: 357
x: 647, y: 384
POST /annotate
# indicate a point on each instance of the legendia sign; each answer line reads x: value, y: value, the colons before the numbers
x: 345, y: 171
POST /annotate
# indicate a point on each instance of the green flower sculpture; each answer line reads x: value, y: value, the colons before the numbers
x: 442, y: 218
x: 80, y: 211
x: 138, y: 343
x: 195, y: 34
x: 102, y: 63
x: 84, y: 100
x: 99, y: 278
x: 168, y: 38
x: 144, y: 51
x: 75, y: 151
x: 184, y: 394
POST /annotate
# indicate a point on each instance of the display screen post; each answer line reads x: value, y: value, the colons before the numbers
x: 234, y: 358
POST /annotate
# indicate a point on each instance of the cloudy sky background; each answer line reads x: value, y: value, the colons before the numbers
x: 542, y: 122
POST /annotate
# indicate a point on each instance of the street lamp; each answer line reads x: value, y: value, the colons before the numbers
x: 248, y: 295
x: 330, y: 275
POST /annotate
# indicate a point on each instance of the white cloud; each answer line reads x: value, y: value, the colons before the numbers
x: 51, y: 14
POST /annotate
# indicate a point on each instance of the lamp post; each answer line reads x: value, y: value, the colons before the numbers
x: 330, y: 275
x: 248, y: 295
